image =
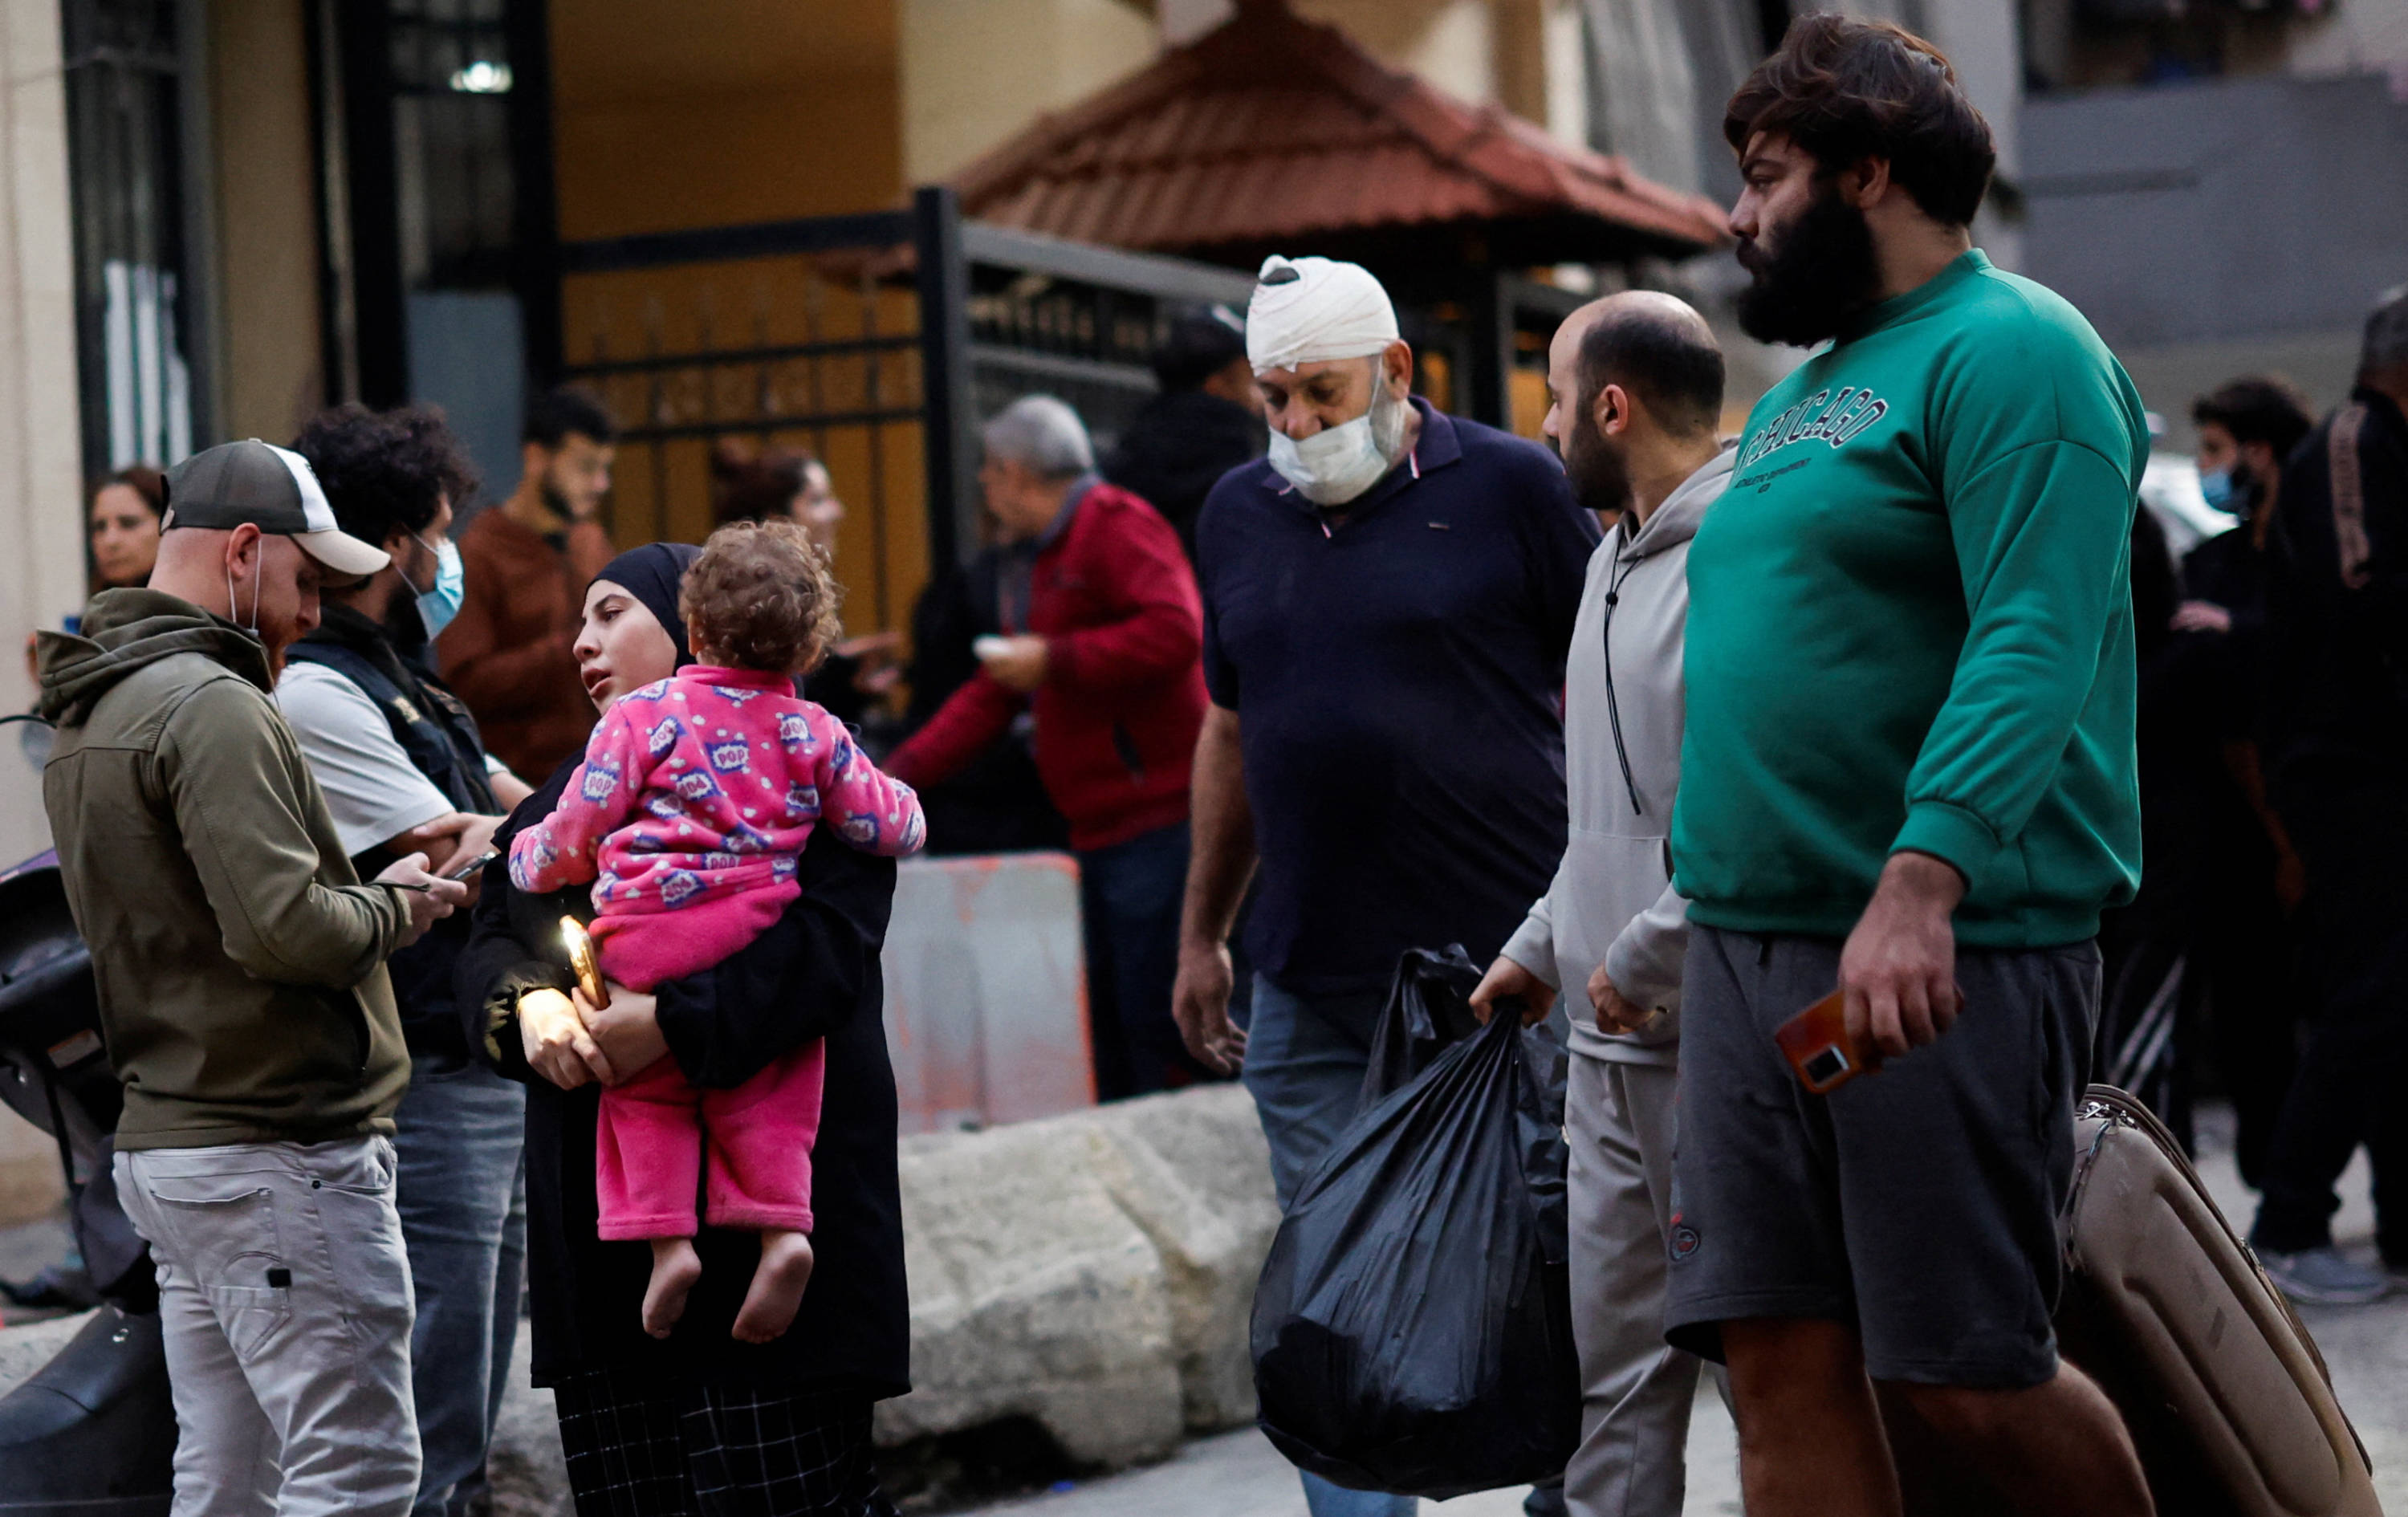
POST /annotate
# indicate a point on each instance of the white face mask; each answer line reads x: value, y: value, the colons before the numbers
x: 1339, y: 463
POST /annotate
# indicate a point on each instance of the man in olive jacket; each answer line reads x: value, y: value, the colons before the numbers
x: 241, y: 966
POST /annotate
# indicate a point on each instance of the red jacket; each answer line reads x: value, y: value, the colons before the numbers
x: 1124, y: 693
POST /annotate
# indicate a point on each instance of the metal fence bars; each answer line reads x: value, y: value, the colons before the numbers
x: 878, y: 342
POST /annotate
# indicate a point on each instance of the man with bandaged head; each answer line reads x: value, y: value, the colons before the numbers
x: 1388, y: 598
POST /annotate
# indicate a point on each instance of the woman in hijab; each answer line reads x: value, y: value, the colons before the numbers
x: 698, y: 1424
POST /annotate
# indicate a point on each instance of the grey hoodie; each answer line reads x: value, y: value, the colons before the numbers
x: 1612, y: 901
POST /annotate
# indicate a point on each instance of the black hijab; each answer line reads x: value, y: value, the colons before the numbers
x: 650, y: 574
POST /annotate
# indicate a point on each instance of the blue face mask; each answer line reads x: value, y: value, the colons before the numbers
x: 2217, y: 488
x: 441, y: 602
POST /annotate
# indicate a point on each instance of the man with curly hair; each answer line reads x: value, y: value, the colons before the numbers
x: 1907, y: 775
x: 404, y: 770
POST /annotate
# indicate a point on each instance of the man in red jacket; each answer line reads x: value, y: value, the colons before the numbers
x: 1104, y: 633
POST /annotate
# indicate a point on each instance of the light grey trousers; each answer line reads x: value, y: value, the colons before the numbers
x: 285, y: 1301
x: 1637, y: 1391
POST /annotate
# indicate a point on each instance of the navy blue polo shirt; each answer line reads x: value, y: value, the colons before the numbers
x: 1397, y: 675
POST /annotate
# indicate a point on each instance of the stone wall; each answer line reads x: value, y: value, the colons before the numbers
x: 42, y: 465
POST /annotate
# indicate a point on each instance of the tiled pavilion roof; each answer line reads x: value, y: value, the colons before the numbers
x: 1275, y: 133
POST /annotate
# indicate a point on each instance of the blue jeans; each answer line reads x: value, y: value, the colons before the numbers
x: 462, y: 1194
x: 1129, y: 896
x: 1305, y: 1060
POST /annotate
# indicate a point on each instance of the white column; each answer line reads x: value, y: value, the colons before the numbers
x: 41, y: 482
x: 975, y: 72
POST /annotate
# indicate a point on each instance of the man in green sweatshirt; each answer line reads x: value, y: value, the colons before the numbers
x: 1908, y: 776
x: 241, y: 966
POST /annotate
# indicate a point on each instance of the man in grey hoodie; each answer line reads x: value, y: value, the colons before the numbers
x: 1636, y: 382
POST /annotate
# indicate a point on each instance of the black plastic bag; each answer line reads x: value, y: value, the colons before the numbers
x: 1413, y: 1330
x: 1428, y: 1011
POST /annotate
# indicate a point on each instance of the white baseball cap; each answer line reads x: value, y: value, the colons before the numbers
x: 275, y: 490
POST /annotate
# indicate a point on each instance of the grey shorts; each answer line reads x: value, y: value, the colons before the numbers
x: 1919, y: 1204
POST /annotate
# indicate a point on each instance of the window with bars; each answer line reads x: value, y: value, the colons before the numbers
x: 452, y: 82
x: 137, y: 305
x: 438, y: 149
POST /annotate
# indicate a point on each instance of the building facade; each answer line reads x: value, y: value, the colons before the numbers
x: 220, y: 215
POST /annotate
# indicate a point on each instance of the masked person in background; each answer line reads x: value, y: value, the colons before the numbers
x: 2335, y: 731
x: 1387, y: 603
x: 240, y: 968
x: 2231, y: 857
x: 403, y: 770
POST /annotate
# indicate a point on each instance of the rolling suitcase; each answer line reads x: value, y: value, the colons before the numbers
x: 2225, y: 1393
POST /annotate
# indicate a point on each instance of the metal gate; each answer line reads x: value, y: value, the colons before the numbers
x: 878, y: 342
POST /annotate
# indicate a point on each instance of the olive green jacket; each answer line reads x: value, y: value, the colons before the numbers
x: 240, y: 962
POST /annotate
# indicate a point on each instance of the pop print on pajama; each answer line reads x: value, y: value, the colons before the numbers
x: 689, y: 813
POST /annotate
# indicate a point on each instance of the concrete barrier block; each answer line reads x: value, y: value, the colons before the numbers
x: 1192, y: 1171
x: 1033, y: 1295
x: 987, y: 1002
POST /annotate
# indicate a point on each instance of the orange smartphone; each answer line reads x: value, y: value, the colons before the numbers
x: 582, y: 959
x: 1816, y: 1042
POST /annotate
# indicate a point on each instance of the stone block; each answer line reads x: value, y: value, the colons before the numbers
x: 1192, y: 1171
x: 1033, y: 1294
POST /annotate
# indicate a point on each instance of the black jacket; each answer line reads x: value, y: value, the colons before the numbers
x: 2337, y: 657
x: 441, y: 740
x: 814, y: 974
x: 995, y: 804
x: 1177, y: 448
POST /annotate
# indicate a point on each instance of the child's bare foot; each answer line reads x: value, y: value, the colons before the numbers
x: 675, y: 1268
x: 776, y: 1290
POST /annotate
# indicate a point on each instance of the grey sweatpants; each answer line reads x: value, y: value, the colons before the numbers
x: 285, y: 1301
x: 1635, y: 1390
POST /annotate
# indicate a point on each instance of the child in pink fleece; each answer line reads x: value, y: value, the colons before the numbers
x: 689, y: 814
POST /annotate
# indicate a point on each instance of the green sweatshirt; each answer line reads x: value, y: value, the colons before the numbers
x: 1911, y: 626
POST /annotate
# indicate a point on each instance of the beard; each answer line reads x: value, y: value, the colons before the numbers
x: 1821, y: 272
x: 1600, y: 481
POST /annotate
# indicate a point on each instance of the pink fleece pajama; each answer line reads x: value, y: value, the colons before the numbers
x: 689, y: 812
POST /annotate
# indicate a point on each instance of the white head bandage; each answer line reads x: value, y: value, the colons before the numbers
x: 1307, y: 311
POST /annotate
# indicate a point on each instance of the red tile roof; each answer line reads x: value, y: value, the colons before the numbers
x: 1274, y: 131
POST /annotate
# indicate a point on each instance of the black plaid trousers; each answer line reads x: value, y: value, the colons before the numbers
x: 642, y: 1446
